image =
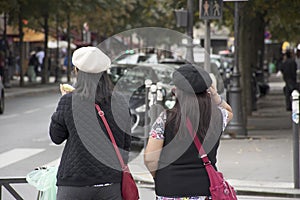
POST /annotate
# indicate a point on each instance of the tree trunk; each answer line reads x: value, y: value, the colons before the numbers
x: 45, y: 77
x: 251, y: 43
x: 21, y: 55
x: 57, y: 67
x: 69, y: 46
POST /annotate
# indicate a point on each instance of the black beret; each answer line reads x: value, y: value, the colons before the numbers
x: 191, y: 79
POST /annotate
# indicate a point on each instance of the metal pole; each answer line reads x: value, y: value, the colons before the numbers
x: 57, y: 67
x: 207, y: 46
x: 148, y: 83
x: 295, y: 118
x: 7, y: 56
x: 190, y: 9
x: 236, y: 126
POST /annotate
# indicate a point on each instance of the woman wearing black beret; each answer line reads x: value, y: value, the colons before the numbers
x: 170, y: 155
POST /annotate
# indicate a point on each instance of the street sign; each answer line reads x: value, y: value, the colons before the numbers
x: 211, y: 9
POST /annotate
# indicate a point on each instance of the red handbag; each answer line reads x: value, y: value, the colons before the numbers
x: 129, y: 188
x: 219, y: 188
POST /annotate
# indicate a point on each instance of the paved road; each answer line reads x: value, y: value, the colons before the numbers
x: 263, y: 159
x: 24, y: 140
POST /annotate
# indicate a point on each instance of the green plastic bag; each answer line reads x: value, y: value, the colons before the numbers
x: 44, y: 180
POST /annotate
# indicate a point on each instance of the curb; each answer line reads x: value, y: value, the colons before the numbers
x: 21, y: 91
x: 268, y: 192
x: 251, y: 190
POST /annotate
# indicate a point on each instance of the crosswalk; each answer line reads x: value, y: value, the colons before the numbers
x: 53, y: 163
x: 29, y: 111
x: 15, y: 155
x: 18, y: 155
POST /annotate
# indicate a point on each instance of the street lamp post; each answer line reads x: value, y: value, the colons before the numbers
x: 189, y: 30
x: 185, y: 18
x: 6, y: 77
x: 236, y: 126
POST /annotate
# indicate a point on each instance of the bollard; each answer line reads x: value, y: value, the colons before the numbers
x: 159, y: 94
x: 295, y: 118
x: 152, y: 103
x: 153, y: 89
x: 159, y: 99
x: 148, y: 84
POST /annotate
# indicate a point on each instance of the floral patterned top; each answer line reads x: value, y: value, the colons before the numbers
x: 158, y: 128
x: 157, y: 132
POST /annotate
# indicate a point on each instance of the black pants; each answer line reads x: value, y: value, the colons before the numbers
x: 288, y: 99
x: 111, y: 192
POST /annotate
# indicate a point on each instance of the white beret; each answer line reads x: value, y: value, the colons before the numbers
x: 90, y: 60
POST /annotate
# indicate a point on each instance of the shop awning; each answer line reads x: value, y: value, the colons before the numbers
x: 31, y: 35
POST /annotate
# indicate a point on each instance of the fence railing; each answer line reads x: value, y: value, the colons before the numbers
x: 6, y: 183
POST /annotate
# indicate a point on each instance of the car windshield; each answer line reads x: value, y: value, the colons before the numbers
x: 130, y: 78
x: 164, y: 74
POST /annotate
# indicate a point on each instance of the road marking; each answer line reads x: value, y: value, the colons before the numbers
x: 32, y: 111
x: 9, y: 116
x: 53, y: 163
x: 40, y: 139
x: 16, y: 155
x: 51, y: 106
x: 56, y: 145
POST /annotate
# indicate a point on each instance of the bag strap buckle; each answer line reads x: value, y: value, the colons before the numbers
x: 101, y: 113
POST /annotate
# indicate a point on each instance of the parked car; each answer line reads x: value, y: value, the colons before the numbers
x: 1, y: 97
x: 136, y: 58
x: 130, y: 79
x: 216, y: 70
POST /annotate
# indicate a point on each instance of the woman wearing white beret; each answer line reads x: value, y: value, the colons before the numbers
x: 89, y: 167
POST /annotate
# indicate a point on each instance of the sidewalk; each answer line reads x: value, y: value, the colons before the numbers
x: 262, y: 163
x: 31, y: 88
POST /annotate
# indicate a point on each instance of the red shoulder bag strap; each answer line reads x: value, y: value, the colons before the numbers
x: 101, y: 114
x: 197, y: 142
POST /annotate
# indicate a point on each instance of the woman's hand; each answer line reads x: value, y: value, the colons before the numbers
x: 212, y: 90
x: 214, y: 95
x: 220, y: 102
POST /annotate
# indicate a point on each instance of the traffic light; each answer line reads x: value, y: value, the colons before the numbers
x: 211, y: 9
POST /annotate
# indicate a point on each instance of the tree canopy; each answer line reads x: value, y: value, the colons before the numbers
x: 106, y: 18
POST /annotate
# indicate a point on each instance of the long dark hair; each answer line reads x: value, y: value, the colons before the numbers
x: 195, y: 106
x: 104, y: 89
x: 95, y: 87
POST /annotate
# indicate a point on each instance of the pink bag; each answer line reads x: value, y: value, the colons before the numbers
x: 220, y: 189
x: 129, y: 188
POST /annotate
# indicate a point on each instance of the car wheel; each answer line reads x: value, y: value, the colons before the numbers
x: 2, y: 103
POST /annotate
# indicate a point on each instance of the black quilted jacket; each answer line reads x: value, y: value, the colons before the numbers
x: 88, y: 157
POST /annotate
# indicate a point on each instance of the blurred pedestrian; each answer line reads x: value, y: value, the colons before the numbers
x: 297, y: 57
x: 170, y: 155
x: 40, y: 54
x: 89, y: 168
x: 2, y: 65
x: 32, y: 64
x: 289, y: 70
x: 17, y: 65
